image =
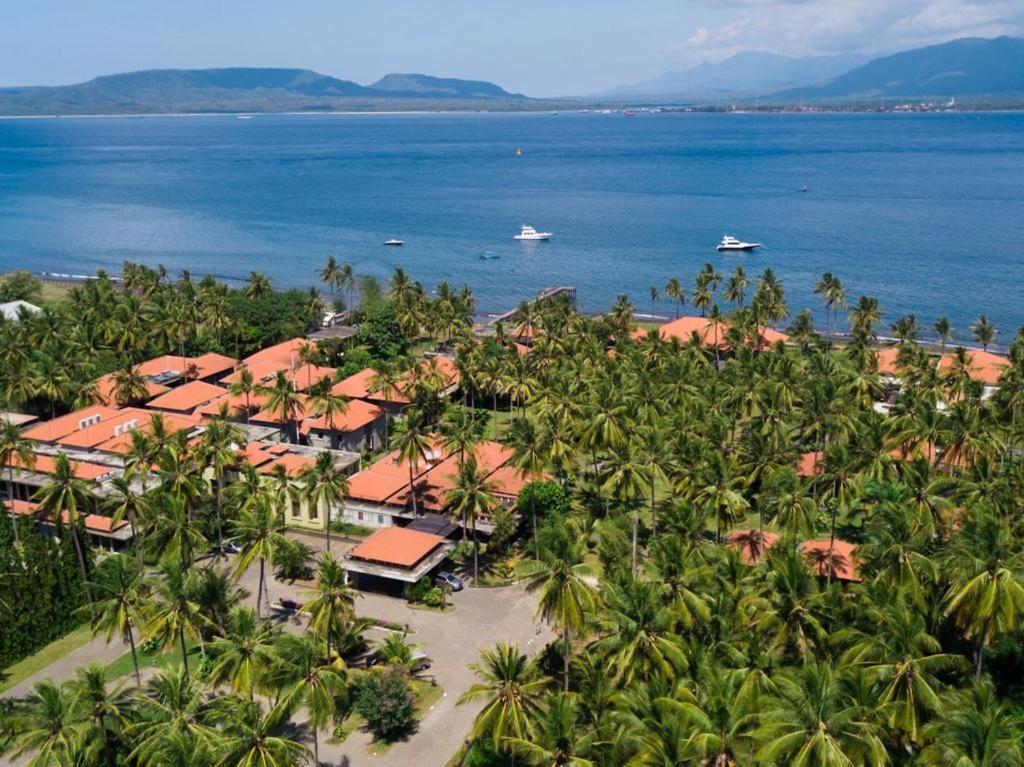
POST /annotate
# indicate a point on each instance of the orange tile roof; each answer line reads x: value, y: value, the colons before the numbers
x: 985, y: 367
x: 284, y: 355
x: 751, y: 544
x: 508, y: 480
x: 433, y: 486
x: 188, y: 396
x: 256, y: 454
x: 304, y: 376
x: 273, y: 416
x: 194, y: 367
x: 276, y: 449
x: 105, y: 389
x: 46, y: 464
x: 885, y: 360
x: 398, y: 546
x: 844, y: 564
x: 260, y: 370
x: 356, y: 386
x: 95, y: 522
x: 810, y: 465
x: 235, y: 404
x: 373, y: 486
x: 359, y: 414
x: 210, y: 364
x: 21, y: 508
x: 293, y: 464
x: 53, y: 430
x: 711, y: 332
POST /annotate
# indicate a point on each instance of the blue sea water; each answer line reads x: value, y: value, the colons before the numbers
x: 925, y: 212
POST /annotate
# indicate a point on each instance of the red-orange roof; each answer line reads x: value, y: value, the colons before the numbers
x: 398, y: 546
x: 204, y: 366
x: 105, y: 388
x: 752, y: 544
x: 433, y: 486
x: 260, y: 371
x: 885, y: 360
x: 235, y: 404
x: 356, y: 385
x: 810, y: 465
x: 985, y: 367
x: 188, y: 396
x: 293, y: 464
x: 285, y: 354
x: 53, y: 430
x: 359, y: 384
x: 711, y: 333
x: 46, y: 464
x: 304, y: 376
x: 359, y: 414
x: 844, y: 563
x: 274, y: 416
x: 95, y: 522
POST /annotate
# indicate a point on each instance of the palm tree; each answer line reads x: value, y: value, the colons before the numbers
x: 173, y: 614
x: 807, y: 722
x: 259, y: 530
x: 121, y: 593
x: 655, y: 295
x: 736, y: 287
x: 172, y: 722
x: 14, y: 450
x: 558, y: 737
x: 172, y: 534
x: 510, y: 689
x: 244, y: 655
x: 471, y: 497
x: 50, y: 726
x: 323, y: 484
x: 257, y: 286
x: 330, y: 275
x: 124, y: 502
x: 530, y: 455
x: 387, y: 382
x: 347, y: 279
x: 986, y: 576
x: 252, y: 737
x: 974, y: 727
x: 324, y: 402
x: 944, y: 331
x: 315, y: 685
x: 66, y: 493
x: 105, y: 710
x: 675, y: 292
x: 129, y: 386
x: 984, y: 332
x: 284, y: 401
x: 332, y: 604
x: 411, y: 445
x: 218, y: 448
x: 245, y: 386
x: 626, y: 482
x: 566, y: 597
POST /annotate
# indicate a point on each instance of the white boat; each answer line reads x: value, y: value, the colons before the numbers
x: 395, y: 243
x: 731, y: 243
x: 529, y: 233
x: 244, y: 117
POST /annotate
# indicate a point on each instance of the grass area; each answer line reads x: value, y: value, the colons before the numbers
x: 349, y: 529
x: 42, y: 658
x: 123, y: 665
x: 55, y: 291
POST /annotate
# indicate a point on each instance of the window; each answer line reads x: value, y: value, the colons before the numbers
x: 296, y: 511
x: 359, y: 516
x: 380, y: 519
x: 314, y: 511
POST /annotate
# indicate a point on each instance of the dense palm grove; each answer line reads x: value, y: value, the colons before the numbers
x: 670, y: 649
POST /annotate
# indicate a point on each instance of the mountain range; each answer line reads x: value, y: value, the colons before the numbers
x: 750, y: 73
x: 246, y: 90
x: 964, y: 68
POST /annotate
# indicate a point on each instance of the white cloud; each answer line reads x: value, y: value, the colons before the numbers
x: 801, y: 27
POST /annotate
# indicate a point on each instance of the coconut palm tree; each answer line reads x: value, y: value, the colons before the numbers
x: 330, y: 275
x: 412, y: 444
x: 986, y: 576
x: 675, y: 292
x: 558, y: 737
x: 323, y: 484
x: 67, y: 493
x: 566, y: 596
x: 121, y: 592
x: 50, y: 727
x: 260, y: 531
x: 285, y: 402
x: 626, y: 482
x: 510, y: 689
x: 129, y: 387
x: 173, y: 614
x: 943, y: 331
x: 984, y: 332
x: 311, y: 682
x: 172, y: 534
x: 530, y: 456
x: 245, y: 386
x: 471, y: 497
x: 347, y: 280
x: 172, y: 722
x: 244, y: 655
x: 15, y: 450
x: 331, y: 607
x: 106, y: 710
x: 257, y: 286
x: 123, y: 502
x: 252, y: 737
x: 974, y: 727
x: 327, y: 404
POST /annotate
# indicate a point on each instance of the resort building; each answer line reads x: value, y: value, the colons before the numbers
x: 394, y: 557
x: 167, y: 371
x: 13, y: 310
x: 712, y: 333
x: 379, y: 496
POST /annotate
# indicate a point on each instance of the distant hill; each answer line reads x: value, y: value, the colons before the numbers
x: 970, y: 66
x: 442, y: 87
x: 745, y: 74
x: 244, y: 90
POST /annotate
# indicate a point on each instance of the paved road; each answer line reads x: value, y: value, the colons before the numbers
x: 452, y: 640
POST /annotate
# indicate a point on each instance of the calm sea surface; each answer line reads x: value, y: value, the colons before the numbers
x: 925, y: 212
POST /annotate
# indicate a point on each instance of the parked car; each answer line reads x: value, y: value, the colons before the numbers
x: 445, y: 578
x: 419, y: 662
x: 374, y: 658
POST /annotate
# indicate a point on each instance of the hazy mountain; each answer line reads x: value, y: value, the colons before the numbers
x: 970, y: 66
x: 447, y: 87
x: 745, y: 74
x: 240, y: 90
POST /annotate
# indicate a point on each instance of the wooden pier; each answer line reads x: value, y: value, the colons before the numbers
x: 544, y: 295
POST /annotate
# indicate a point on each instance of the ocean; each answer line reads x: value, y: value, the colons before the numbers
x: 923, y: 211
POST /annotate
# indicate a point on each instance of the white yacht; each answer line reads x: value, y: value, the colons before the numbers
x: 394, y: 243
x: 731, y: 243
x: 529, y: 233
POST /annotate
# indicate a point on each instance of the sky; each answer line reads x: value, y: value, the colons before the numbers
x: 537, y: 47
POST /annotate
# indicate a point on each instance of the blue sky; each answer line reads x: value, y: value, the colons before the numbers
x: 540, y: 47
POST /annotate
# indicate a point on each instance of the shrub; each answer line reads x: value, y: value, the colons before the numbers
x: 20, y: 286
x: 381, y: 334
x: 385, y: 700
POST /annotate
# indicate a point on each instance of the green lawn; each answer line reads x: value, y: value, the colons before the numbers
x: 123, y: 665
x: 39, y: 660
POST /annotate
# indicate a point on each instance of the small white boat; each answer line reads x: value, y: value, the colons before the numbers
x: 529, y: 233
x: 244, y: 117
x: 394, y: 243
x: 731, y: 243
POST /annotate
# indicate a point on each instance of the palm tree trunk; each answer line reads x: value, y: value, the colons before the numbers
x: 636, y: 524
x: 476, y: 549
x: 85, y: 575
x: 259, y: 590
x: 533, y: 521
x: 184, y: 651
x: 412, y: 491
x: 220, y: 526
x: 565, y: 660
x: 831, y: 542
x: 316, y: 747
x: 328, y: 518
x: 979, y: 649
x: 135, y: 655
